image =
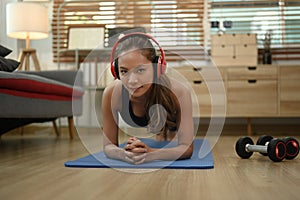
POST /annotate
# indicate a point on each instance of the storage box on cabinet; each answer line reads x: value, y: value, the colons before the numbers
x: 234, y: 49
x: 289, y: 90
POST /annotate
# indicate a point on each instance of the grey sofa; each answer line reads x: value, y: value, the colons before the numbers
x: 39, y: 96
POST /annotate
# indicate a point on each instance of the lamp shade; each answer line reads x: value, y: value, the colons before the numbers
x: 26, y: 20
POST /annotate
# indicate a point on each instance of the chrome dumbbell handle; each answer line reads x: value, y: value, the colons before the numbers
x: 257, y: 148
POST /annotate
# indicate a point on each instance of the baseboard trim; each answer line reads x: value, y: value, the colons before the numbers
x: 228, y: 129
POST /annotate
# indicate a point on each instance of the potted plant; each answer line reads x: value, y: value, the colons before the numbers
x: 267, y: 55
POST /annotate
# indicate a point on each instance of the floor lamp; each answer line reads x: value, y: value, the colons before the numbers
x: 27, y: 21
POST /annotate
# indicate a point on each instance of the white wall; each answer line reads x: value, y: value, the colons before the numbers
x: 43, y: 47
x: 4, y: 40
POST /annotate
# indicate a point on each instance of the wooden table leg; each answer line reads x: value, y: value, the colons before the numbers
x: 55, y: 128
x: 71, y: 127
x: 249, y: 126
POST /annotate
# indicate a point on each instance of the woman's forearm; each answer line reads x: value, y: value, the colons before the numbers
x: 114, y: 152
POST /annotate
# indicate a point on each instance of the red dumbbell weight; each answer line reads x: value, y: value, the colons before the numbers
x: 292, y: 145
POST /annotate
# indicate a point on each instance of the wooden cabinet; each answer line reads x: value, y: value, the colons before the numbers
x: 289, y: 98
x: 246, y: 91
x: 249, y: 91
x: 252, y: 91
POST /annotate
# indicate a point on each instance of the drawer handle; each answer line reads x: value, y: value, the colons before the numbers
x: 251, y: 68
x: 197, y: 69
x: 197, y: 82
x: 251, y: 81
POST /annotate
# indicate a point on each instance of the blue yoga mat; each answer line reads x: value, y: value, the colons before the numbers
x: 99, y: 160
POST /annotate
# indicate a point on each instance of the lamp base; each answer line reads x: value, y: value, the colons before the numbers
x: 25, y: 59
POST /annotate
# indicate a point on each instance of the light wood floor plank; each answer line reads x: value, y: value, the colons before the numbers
x: 32, y: 167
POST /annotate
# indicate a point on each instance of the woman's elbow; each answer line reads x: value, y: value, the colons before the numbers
x: 187, y: 154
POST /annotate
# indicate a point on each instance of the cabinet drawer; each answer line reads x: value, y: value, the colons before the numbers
x: 289, y: 72
x: 249, y: 73
x: 290, y: 97
x: 257, y: 98
x: 222, y: 50
x: 246, y: 50
x: 187, y: 74
x: 248, y: 38
x: 233, y: 39
x: 209, y: 95
x: 199, y: 73
x: 235, y: 61
x: 225, y: 39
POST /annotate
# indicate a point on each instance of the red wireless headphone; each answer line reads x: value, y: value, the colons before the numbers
x: 159, y: 61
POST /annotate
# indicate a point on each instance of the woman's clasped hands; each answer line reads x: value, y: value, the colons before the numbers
x: 136, y: 152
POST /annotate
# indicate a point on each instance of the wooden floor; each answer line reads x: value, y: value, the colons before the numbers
x: 32, y: 167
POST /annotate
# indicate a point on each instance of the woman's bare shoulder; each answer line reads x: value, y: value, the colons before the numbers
x: 113, y: 87
x: 112, y: 94
x: 179, y: 87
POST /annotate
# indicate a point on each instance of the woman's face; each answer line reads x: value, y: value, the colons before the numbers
x: 136, y: 72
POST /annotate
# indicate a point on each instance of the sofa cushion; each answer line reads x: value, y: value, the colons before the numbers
x: 32, y: 86
x: 4, y: 51
x: 8, y: 65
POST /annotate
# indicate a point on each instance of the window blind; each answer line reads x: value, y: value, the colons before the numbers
x: 280, y: 18
x: 179, y: 26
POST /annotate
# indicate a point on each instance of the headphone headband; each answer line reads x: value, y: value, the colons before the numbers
x: 162, y: 61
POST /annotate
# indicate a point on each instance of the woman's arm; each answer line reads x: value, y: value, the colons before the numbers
x: 110, y: 106
x: 110, y: 127
x: 185, y: 134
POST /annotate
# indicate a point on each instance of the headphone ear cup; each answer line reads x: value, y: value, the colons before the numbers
x: 156, y: 67
x: 115, y: 69
x: 112, y: 69
x: 160, y: 66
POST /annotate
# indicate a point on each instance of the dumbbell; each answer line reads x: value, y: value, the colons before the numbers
x: 275, y: 149
x: 292, y: 145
